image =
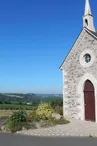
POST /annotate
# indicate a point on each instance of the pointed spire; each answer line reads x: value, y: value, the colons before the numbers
x: 87, y: 8
x: 88, y: 20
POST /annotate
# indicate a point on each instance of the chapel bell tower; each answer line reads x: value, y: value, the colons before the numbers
x: 88, y: 20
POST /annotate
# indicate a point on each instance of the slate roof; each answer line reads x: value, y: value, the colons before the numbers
x: 95, y: 33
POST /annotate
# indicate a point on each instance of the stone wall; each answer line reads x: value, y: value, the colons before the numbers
x: 73, y: 71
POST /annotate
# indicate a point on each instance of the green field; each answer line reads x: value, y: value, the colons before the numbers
x: 16, y: 107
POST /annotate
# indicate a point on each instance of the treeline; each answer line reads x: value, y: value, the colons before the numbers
x: 56, y: 104
x: 31, y: 99
x: 21, y: 99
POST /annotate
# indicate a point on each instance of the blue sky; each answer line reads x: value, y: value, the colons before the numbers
x: 35, y: 37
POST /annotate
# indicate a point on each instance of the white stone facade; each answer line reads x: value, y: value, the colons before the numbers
x: 75, y: 73
x: 79, y: 66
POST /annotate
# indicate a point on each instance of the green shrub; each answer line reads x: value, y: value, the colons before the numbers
x: 56, y: 102
x: 17, y: 121
x: 32, y: 116
x: 33, y: 113
x: 19, y: 116
x: 44, y: 111
x: 17, y: 126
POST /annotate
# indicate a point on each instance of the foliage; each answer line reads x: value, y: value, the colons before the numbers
x: 17, y: 121
x: 17, y: 98
x: 57, y: 105
x: 56, y: 102
x: 32, y: 116
x: 19, y: 116
x: 9, y: 100
x: 1, y: 102
x: 44, y: 111
x: 13, y: 127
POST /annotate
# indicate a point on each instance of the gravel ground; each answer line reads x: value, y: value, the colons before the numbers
x: 74, y: 128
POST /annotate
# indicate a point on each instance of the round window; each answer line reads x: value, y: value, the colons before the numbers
x: 87, y: 58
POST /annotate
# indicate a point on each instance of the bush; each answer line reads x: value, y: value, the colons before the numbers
x: 44, y: 111
x: 17, y: 121
x: 19, y: 116
x: 32, y: 116
x: 56, y: 102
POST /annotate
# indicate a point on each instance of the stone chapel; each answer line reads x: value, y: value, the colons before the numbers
x: 80, y: 73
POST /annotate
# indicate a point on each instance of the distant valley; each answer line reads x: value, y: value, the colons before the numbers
x: 20, y: 98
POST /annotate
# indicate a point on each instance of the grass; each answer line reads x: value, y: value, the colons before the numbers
x: 53, y: 122
x: 61, y: 121
x: 8, y: 113
x: 4, y: 113
x: 90, y: 136
x: 15, y: 107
